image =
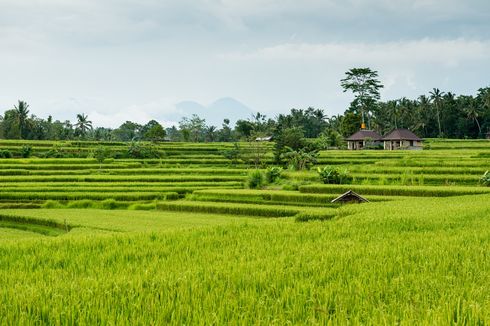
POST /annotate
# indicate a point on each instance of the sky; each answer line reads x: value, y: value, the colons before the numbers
x: 137, y: 60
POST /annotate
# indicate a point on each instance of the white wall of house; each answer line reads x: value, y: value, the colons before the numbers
x: 402, y: 144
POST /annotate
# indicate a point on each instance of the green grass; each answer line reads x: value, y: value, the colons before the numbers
x: 381, y: 264
x: 15, y: 234
x: 417, y: 254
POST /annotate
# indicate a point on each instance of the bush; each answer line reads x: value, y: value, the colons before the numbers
x: 273, y: 173
x: 100, y: 154
x: 255, y: 179
x: 5, y: 154
x: 26, y: 151
x: 333, y: 175
x: 301, y: 159
x: 485, y: 179
x: 55, y: 152
x: 233, y: 154
x: 138, y: 150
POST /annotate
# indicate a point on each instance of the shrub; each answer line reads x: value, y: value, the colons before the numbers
x: 55, y: 152
x: 5, y: 154
x: 255, y: 179
x: 273, y: 173
x: 100, y: 154
x: 333, y: 175
x: 232, y: 154
x: 485, y: 179
x: 26, y: 151
x: 138, y: 150
x: 300, y: 159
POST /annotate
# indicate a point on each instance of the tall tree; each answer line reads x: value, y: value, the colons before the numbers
x: 473, y: 113
x: 436, y: 97
x: 83, y: 125
x: 365, y: 85
x: 22, y: 116
x: 193, y: 128
x: 128, y: 131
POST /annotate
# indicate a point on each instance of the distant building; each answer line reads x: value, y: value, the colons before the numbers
x: 401, y: 139
x: 363, y: 139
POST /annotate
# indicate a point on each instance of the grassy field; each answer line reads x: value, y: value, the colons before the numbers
x: 178, y: 240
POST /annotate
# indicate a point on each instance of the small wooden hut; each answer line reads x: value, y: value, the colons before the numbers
x: 350, y: 197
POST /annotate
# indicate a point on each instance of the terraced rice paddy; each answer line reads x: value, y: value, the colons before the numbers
x: 179, y: 240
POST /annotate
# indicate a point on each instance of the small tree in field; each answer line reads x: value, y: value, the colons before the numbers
x: 300, y: 159
x: 100, y: 154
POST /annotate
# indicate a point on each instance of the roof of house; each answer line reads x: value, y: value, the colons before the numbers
x: 350, y: 196
x: 363, y: 134
x: 401, y: 134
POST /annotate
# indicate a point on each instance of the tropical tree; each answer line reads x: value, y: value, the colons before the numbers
x: 22, y: 116
x: 210, y: 132
x: 423, y: 114
x: 83, y: 125
x: 473, y: 113
x: 128, y: 131
x: 365, y: 85
x: 193, y: 128
x: 394, y: 112
x: 436, y: 96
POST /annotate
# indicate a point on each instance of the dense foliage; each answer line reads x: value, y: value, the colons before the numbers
x: 436, y: 114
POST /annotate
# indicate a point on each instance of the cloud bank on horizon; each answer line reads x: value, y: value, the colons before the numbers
x: 136, y: 60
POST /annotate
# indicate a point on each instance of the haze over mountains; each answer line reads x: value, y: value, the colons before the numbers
x: 213, y: 113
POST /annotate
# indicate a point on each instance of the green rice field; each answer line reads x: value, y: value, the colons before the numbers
x: 180, y: 239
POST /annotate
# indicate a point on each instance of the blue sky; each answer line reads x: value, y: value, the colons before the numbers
x: 118, y: 60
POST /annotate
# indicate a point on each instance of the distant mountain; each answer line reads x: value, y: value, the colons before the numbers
x: 223, y: 108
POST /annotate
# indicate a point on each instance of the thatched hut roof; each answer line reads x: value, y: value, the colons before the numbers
x: 350, y: 197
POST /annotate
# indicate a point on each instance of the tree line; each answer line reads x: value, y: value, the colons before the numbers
x: 436, y: 114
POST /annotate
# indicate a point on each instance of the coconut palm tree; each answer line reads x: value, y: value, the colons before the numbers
x: 22, y: 115
x: 394, y: 113
x: 422, y: 114
x: 436, y: 98
x: 473, y: 113
x: 82, y: 125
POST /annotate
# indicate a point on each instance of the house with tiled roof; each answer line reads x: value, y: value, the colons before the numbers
x: 363, y: 139
x: 401, y: 139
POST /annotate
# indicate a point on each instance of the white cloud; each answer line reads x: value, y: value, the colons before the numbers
x: 105, y: 57
x: 447, y: 52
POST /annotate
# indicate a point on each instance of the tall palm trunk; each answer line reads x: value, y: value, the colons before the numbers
x: 439, y: 122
